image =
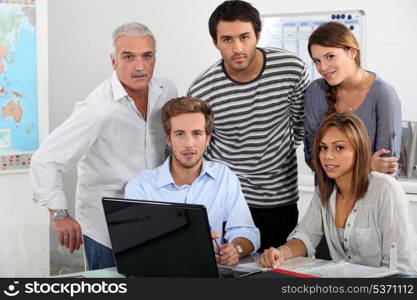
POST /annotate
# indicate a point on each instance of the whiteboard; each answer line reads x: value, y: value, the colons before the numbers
x: 291, y: 31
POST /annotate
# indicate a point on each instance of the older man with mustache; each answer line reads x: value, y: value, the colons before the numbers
x: 113, y: 134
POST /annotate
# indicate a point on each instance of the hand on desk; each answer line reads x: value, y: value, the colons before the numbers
x: 228, y: 255
x: 69, y: 233
x: 271, y: 258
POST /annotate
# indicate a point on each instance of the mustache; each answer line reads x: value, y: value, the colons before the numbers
x: 139, y: 73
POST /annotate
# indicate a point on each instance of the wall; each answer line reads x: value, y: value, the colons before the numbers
x: 24, y: 226
x: 185, y: 48
x: 79, y: 33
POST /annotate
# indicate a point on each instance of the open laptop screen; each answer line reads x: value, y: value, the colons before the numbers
x: 160, y: 239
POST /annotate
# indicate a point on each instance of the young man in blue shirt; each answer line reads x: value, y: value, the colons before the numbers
x: 185, y: 177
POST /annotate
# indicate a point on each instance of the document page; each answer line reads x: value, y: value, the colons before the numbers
x: 289, y: 264
x: 338, y: 269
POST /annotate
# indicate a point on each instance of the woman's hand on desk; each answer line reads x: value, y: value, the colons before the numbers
x: 271, y: 258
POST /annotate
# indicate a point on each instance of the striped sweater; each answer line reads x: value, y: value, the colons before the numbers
x: 258, y: 124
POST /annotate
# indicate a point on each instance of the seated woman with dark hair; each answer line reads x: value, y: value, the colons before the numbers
x: 362, y: 214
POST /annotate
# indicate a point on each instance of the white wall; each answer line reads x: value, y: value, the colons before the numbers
x: 79, y: 33
x: 185, y: 48
x: 24, y: 227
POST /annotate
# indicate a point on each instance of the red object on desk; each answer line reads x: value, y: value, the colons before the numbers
x: 292, y: 273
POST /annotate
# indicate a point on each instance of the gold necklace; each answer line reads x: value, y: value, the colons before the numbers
x: 350, y: 105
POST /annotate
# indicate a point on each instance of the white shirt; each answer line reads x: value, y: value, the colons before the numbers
x: 111, y: 142
x: 375, y: 222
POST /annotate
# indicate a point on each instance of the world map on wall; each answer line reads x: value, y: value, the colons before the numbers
x: 18, y: 78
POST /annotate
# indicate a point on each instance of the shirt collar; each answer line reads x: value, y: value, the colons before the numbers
x: 165, y: 177
x: 155, y: 89
x: 118, y: 90
x: 207, y: 169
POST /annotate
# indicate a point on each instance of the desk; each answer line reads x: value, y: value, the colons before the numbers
x: 112, y: 272
x: 103, y: 273
x: 328, y: 269
x: 306, y: 265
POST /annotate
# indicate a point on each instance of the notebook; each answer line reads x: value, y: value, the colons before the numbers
x: 162, y: 239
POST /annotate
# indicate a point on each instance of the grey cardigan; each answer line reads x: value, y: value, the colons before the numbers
x: 380, y: 111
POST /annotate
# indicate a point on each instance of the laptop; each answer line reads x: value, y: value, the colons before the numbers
x: 161, y: 239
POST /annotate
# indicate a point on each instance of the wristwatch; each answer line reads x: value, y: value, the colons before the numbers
x: 60, y: 214
x: 238, y: 248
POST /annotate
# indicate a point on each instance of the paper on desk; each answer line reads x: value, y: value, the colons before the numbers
x: 253, y: 265
x: 299, y: 261
x: 344, y: 269
x: 328, y: 268
x: 289, y: 264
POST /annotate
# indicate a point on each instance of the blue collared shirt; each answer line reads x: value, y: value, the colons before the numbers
x: 217, y: 188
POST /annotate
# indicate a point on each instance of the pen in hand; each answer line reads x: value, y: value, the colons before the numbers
x: 217, y: 250
x: 215, y: 236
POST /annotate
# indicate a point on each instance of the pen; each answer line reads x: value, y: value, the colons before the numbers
x: 217, y: 252
x: 218, y: 247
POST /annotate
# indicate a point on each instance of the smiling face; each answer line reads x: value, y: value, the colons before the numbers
x: 236, y: 42
x: 337, y: 155
x: 134, y: 62
x: 334, y: 64
x: 188, y: 140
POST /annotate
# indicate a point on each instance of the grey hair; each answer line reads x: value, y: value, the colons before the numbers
x: 130, y: 29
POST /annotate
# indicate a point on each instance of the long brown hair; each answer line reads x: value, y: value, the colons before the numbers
x: 357, y: 135
x: 336, y: 35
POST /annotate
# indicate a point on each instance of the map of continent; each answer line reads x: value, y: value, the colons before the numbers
x: 18, y: 78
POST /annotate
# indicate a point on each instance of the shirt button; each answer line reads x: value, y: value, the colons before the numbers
x: 354, y: 210
x: 345, y: 239
x: 348, y: 224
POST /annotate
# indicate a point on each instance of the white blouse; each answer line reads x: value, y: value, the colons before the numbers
x: 377, y: 221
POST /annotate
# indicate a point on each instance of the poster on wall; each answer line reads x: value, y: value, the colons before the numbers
x: 19, y: 130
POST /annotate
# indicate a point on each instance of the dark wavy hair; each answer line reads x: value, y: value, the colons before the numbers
x: 233, y: 10
x: 337, y: 35
x: 354, y: 129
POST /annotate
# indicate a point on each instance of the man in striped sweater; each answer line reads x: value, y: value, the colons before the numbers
x: 257, y: 96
